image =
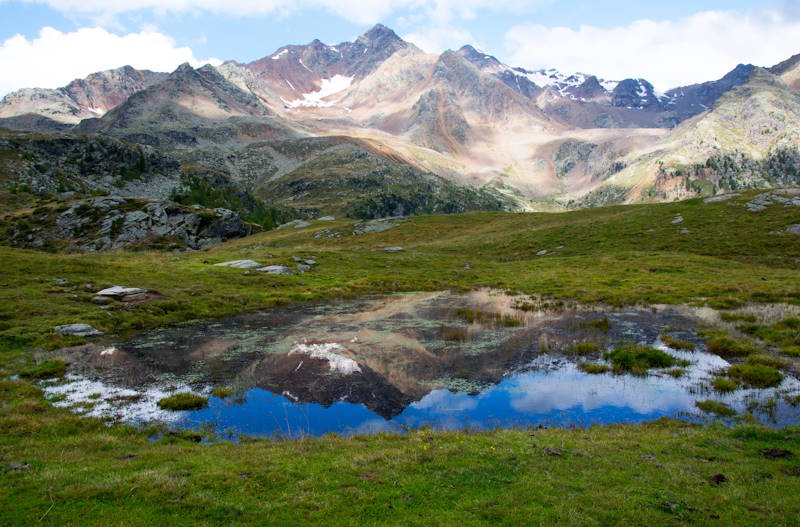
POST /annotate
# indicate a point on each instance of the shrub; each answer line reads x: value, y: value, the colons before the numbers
x: 637, y: 359
x: 755, y: 375
x: 183, y: 401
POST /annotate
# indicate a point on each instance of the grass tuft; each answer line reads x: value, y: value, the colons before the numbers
x: 724, y: 385
x: 46, y: 370
x: 725, y: 346
x: 582, y: 349
x: 637, y: 359
x: 593, y: 368
x: 677, y: 344
x: 222, y: 392
x: 183, y: 401
x: 755, y: 375
x: 716, y: 408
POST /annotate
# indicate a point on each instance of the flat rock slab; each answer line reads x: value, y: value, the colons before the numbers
x: 375, y: 226
x: 275, y: 269
x: 395, y: 249
x: 794, y: 229
x: 297, y: 224
x: 78, y: 330
x: 303, y: 268
x: 678, y: 219
x: 720, y: 198
x: 327, y: 218
x: 119, y: 291
x: 240, y: 264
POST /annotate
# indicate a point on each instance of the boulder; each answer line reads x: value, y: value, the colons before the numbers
x: 241, y: 264
x: 794, y: 229
x: 119, y: 292
x: 275, y: 269
x: 297, y: 224
x: 303, y: 268
x: 78, y: 330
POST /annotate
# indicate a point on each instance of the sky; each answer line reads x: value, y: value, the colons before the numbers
x: 47, y: 43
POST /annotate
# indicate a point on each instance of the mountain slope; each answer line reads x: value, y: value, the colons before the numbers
x: 82, y: 98
x: 734, y: 145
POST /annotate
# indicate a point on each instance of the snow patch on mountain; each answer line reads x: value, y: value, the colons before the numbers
x: 316, y: 99
x: 278, y: 55
x: 327, y: 351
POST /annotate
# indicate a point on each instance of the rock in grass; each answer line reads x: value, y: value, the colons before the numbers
x: 543, y: 252
x: 275, y: 269
x: 297, y: 224
x: 240, y: 264
x: 393, y: 249
x: 120, y: 292
x: 794, y: 229
x: 303, y: 268
x: 78, y: 330
x: 183, y: 401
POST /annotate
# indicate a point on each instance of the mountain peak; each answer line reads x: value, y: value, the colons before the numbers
x: 379, y: 34
x: 477, y: 57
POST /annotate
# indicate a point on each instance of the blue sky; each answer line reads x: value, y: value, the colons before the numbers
x: 668, y: 42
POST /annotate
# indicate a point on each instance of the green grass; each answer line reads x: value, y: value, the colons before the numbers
x: 582, y: 348
x: 84, y: 472
x: 81, y: 471
x: 677, y: 344
x: 222, y: 392
x: 715, y: 407
x: 183, y: 401
x: 724, y: 384
x: 755, y: 375
x: 767, y: 360
x: 726, y: 346
x: 45, y: 370
x: 638, y: 359
x: 605, y: 259
x: 593, y: 368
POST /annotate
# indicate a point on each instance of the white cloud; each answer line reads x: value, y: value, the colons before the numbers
x: 358, y: 11
x: 697, y: 48
x: 439, y: 38
x: 54, y: 58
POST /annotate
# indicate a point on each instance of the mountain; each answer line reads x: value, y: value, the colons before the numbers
x: 377, y: 127
x: 82, y: 98
x: 749, y: 139
x: 789, y: 71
